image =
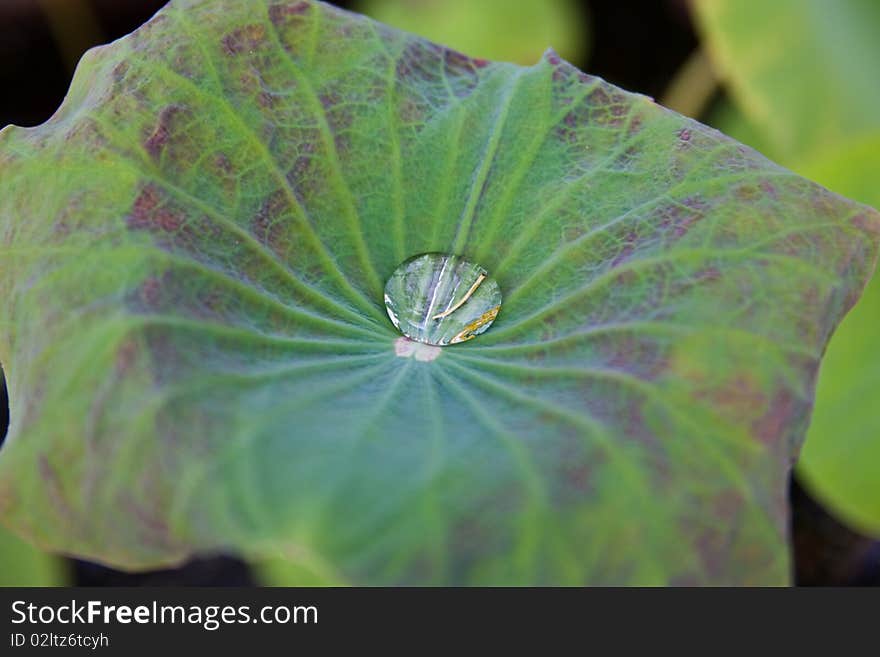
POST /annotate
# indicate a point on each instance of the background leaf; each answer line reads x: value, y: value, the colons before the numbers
x: 23, y: 565
x: 517, y: 31
x: 806, y: 71
x: 198, y: 358
x: 804, y: 77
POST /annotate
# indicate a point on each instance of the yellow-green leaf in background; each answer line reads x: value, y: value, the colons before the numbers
x: 22, y: 564
x: 507, y: 30
x: 806, y: 71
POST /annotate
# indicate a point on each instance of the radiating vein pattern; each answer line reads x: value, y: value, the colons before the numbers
x: 193, y: 254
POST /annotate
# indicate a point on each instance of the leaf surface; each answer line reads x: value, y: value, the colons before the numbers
x: 194, y: 253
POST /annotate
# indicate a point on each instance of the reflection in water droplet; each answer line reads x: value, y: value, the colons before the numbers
x: 441, y: 299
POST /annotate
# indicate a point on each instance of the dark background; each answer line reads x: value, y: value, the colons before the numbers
x: 635, y: 44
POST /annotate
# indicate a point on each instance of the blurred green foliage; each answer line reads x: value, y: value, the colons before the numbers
x: 24, y: 565
x: 805, y: 80
x: 505, y: 30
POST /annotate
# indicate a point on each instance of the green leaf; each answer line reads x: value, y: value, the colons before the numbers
x: 518, y: 31
x: 23, y: 565
x: 194, y: 254
x: 851, y: 167
x: 806, y: 71
x: 841, y: 457
x: 775, y: 56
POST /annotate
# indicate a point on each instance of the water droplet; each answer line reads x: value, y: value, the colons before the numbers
x: 441, y: 299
